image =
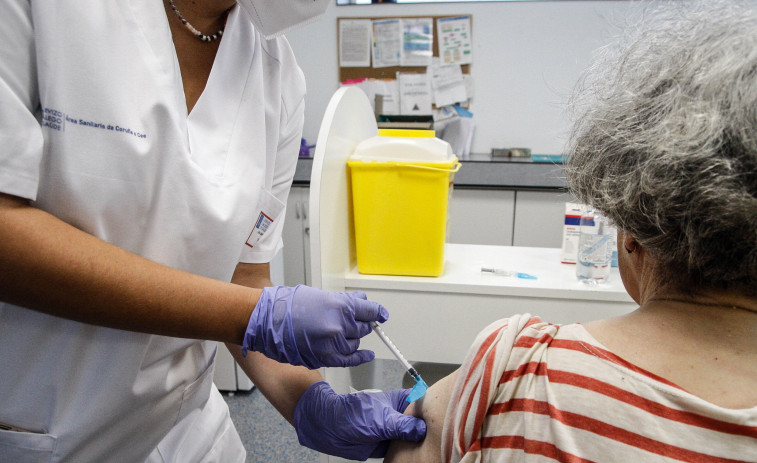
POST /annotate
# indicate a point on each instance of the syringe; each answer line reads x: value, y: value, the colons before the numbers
x: 420, y: 387
x: 507, y: 273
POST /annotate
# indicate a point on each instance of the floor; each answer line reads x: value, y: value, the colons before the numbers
x: 266, y: 435
x: 269, y: 438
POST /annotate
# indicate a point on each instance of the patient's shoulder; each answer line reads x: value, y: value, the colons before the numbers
x: 432, y: 409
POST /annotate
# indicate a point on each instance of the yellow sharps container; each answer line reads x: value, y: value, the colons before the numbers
x: 401, y: 185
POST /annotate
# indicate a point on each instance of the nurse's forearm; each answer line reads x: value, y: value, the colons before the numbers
x: 280, y: 383
x: 52, y: 267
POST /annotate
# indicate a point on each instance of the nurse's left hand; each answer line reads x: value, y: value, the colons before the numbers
x: 355, y: 426
x: 312, y: 327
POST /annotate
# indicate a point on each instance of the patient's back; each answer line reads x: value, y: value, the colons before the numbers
x: 551, y: 392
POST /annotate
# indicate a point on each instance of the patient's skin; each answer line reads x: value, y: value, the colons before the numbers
x: 432, y: 408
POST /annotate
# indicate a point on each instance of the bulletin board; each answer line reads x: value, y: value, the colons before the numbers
x: 348, y: 73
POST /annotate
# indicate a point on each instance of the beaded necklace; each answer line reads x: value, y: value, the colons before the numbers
x: 195, y: 32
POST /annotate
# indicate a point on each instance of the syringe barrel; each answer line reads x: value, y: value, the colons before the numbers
x: 392, y: 347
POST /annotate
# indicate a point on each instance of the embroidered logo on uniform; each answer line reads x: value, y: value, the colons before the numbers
x: 58, y: 120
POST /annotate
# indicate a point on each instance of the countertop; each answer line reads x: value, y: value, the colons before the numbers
x: 462, y: 274
x: 483, y: 171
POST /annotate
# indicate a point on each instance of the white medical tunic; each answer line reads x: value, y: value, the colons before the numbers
x: 94, y: 129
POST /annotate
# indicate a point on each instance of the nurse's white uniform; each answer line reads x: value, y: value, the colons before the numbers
x: 94, y: 128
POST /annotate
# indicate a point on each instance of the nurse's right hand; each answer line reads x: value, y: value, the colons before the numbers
x: 312, y: 327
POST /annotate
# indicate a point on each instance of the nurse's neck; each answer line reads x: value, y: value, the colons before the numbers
x: 196, y: 56
x: 205, y: 10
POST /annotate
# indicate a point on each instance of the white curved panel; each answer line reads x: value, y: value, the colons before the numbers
x: 347, y: 121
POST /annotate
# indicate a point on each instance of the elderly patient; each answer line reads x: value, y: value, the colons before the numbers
x: 668, y: 151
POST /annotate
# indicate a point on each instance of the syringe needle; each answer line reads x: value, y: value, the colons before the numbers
x: 420, y: 386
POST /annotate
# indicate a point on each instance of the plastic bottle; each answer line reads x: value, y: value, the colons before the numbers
x: 594, y: 248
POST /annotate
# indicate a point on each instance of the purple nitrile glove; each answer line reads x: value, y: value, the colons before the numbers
x: 355, y: 426
x: 312, y: 327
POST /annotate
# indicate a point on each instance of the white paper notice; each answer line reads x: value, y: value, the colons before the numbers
x: 468, y: 85
x: 455, y: 40
x: 387, y: 43
x: 447, y: 83
x: 355, y: 43
x: 415, y: 93
x: 390, y: 90
x: 417, y: 41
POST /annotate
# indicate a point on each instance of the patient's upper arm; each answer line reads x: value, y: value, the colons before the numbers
x: 432, y: 408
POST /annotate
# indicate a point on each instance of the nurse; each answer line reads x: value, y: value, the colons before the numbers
x: 146, y: 154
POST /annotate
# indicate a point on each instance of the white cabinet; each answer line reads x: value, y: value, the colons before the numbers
x: 481, y: 217
x: 507, y: 217
x: 539, y: 218
x: 296, y: 236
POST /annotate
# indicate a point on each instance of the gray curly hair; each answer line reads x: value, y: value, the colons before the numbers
x: 665, y: 141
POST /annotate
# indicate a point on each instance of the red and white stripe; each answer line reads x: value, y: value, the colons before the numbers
x: 532, y: 391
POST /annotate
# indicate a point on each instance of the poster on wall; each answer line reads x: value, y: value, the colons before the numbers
x: 355, y: 43
x: 387, y: 43
x: 455, y: 40
x: 417, y: 41
x: 415, y: 93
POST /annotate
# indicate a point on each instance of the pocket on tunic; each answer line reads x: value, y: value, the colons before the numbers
x: 21, y: 446
x: 197, y: 393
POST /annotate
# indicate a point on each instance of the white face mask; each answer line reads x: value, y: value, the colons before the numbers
x: 275, y: 17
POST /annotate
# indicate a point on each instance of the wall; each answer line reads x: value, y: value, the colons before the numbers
x: 527, y: 57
